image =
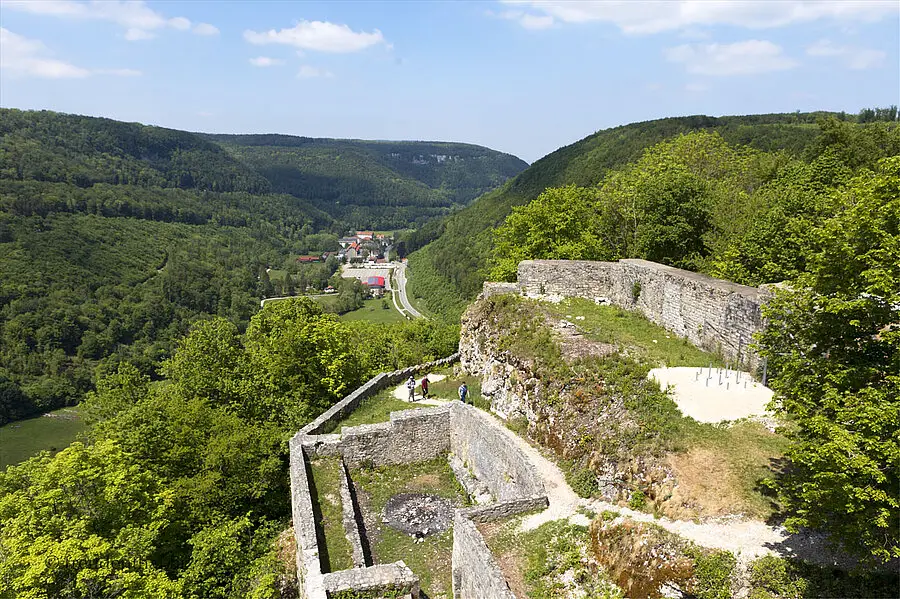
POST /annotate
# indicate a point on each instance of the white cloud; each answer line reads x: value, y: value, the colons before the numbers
x: 138, y: 19
x: 526, y: 20
x: 31, y: 58
x: 180, y: 23
x: 668, y: 15
x: 309, y: 72
x: 853, y: 57
x: 741, y: 58
x: 320, y: 36
x: 133, y: 35
x: 265, y: 61
x: 206, y: 29
x: 119, y: 72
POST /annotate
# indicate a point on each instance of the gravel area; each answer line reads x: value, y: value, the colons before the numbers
x: 713, y: 395
x: 418, y: 514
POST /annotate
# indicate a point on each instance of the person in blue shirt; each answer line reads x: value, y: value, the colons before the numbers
x: 463, y: 393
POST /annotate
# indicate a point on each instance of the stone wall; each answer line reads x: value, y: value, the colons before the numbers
x: 309, y: 568
x: 713, y: 314
x: 351, y: 520
x: 489, y: 451
x: 330, y: 417
x: 476, y: 574
x: 480, y: 445
x: 415, y: 435
x: 396, y: 577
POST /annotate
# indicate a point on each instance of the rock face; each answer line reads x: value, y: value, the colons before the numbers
x: 578, y: 418
x: 507, y: 381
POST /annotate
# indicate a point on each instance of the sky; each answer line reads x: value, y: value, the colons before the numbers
x: 521, y: 77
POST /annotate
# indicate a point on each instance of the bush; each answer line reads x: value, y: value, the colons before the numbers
x: 583, y: 482
x: 712, y: 573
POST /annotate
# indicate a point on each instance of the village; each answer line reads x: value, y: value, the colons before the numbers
x: 366, y: 267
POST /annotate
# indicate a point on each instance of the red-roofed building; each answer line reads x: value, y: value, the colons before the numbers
x: 307, y: 259
x: 365, y: 234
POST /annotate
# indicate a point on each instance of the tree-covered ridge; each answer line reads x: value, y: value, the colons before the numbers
x: 380, y: 184
x: 365, y: 184
x: 698, y: 203
x: 451, y: 269
x: 50, y: 146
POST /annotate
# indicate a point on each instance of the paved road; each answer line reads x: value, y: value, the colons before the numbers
x: 400, y: 279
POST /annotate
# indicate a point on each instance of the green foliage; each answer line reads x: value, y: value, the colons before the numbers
x: 451, y: 269
x: 779, y: 578
x: 834, y: 349
x: 582, y: 481
x: 638, y: 500
x: 555, y: 226
x: 713, y: 571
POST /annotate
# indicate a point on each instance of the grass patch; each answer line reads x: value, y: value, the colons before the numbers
x: 721, y: 469
x: 430, y: 560
x: 549, y: 562
x: 373, y: 311
x: 23, y: 439
x: 377, y: 409
x: 335, y: 552
x: 610, y: 324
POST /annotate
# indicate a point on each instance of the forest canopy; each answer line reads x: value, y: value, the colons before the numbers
x: 181, y: 488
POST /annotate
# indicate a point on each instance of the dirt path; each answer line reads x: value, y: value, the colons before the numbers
x: 746, y: 537
x: 402, y: 393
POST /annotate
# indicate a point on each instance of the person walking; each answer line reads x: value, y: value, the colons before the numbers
x: 411, y: 385
x: 425, y: 387
x: 463, y: 393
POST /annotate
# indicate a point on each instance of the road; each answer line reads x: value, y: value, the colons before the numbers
x: 400, y: 279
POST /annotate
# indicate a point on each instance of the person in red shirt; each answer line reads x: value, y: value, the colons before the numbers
x: 425, y: 387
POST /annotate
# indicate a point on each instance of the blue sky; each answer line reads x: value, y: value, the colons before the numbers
x: 521, y: 77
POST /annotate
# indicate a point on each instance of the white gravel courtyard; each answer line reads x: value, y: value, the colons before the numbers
x: 716, y: 395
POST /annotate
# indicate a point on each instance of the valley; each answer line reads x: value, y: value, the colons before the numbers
x: 198, y: 299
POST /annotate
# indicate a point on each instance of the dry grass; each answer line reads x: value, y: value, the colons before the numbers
x: 720, y: 472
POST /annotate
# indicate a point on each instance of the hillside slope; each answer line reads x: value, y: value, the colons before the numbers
x: 379, y: 184
x: 449, y: 271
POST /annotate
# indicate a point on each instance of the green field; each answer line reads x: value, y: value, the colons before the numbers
x: 373, y: 311
x: 22, y: 439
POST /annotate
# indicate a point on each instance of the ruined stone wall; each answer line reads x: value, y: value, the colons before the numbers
x: 415, y: 435
x: 309, y: 568
x: 381, y: 578
x: 476, y: 574
x: 713, y: 314
x: 488, y: 450
x: 330, y: 417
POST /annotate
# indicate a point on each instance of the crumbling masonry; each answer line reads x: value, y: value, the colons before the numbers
x: 482, y: 453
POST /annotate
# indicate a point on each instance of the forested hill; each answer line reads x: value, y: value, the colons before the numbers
x: 450, y: 269
x: 363, y: 184
x: 375, y: 184
x: 115, y: 238
x: 66, y: 148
